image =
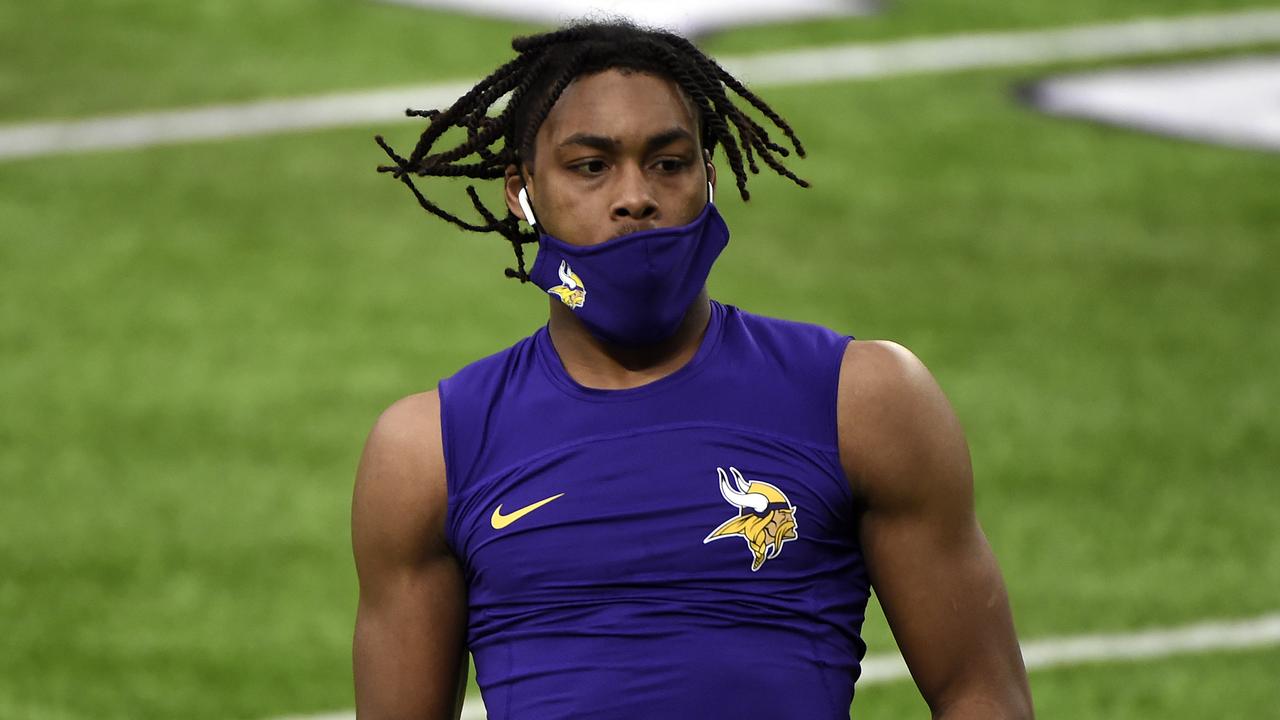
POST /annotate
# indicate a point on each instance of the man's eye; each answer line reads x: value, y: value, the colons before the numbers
x: 590, y: 167
x: 671, y: 165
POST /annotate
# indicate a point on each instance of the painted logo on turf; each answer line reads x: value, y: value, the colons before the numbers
x: 570, y: 290
x: 766, y: 518
x: 686, y: 18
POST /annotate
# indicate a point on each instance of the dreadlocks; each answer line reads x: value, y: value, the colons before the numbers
x: 545, y: 65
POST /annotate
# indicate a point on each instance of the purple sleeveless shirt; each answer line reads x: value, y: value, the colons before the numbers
x: 684, y: 549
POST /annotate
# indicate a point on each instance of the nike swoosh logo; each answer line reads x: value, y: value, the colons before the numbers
x: 500, y: 521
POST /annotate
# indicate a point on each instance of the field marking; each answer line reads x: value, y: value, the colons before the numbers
x: 840, y: 62
x: 1051, y: 652
x: 1009, y: 49
x: 1234, y: 102
x: 682, y: 16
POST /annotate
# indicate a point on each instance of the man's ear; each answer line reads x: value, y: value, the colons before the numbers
x: 711, y: 168
x: 513, y: 183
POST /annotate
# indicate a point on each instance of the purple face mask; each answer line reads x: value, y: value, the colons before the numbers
x: 633, y: 289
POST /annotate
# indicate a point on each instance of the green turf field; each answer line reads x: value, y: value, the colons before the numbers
x: 195, y: 340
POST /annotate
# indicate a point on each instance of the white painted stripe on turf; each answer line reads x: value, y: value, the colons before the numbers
x: 1052, y: 652
x: 1203, y: 637
x: 222, y: 121
x: 841, y: 62
x: 991, y: 50
x: 1008, y: 49
x: 1216, y: 635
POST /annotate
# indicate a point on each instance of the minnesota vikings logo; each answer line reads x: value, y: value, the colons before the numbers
x: 766, y: 518
x: 570, y: 290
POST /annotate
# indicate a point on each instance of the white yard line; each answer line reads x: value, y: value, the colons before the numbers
x: 1218, y: 635
x: 222, y: 121
x: 839, y: 62
x: 1053, y: 652
x: 993, y: 50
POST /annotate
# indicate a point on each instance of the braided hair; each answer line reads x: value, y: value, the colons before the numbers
x: 545, y: 65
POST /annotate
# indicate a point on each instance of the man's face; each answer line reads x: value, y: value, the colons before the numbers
x: 619, y: 152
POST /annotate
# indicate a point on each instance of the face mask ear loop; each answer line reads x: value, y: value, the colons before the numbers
x: 523, y: 198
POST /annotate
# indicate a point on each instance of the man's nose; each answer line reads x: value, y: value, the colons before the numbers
x: 634, y: 199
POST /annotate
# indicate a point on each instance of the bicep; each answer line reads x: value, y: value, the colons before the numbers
x: 945, y: 600
x: 930, y: 564
x: 408, y: 650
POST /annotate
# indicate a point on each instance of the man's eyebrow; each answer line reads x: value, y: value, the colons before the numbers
x: 599, y: 142
x: 608, y: 144
x: 665, y: 138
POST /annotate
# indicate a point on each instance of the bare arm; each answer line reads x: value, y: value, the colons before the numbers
x: 408, y: 651
x: 930, y: 563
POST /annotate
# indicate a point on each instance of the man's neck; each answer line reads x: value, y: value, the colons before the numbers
x: 596, y: 364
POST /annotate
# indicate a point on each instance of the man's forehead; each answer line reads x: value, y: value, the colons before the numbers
x: 619, y: 105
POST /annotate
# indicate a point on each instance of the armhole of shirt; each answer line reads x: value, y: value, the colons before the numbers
x: 842, y: 346
x: 451, y: 481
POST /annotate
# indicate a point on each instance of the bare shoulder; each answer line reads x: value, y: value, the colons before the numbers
x: 400, y: 492
x: 928, y: 559
x: 897, y: 429
x: 879, y: 366
x: 408, y: 650
x: 409, y: 428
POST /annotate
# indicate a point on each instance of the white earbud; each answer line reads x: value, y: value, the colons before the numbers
x: 711, y: 192
x: 523, y: 197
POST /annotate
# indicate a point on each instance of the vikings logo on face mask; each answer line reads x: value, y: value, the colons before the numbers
x: 766, y: 518
x: 642, y: 283
x: 570, y: 290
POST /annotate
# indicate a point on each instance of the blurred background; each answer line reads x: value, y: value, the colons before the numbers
x: 197, y: 334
